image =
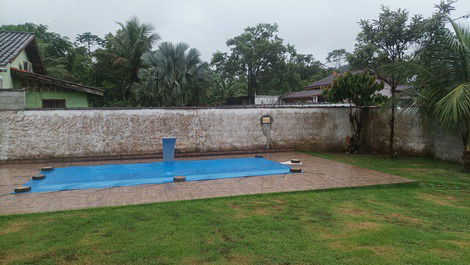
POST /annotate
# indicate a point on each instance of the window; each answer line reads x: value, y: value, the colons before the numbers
x: 53, y: 103
x: 27, y: 66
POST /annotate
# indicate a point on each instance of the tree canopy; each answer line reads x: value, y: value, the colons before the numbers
x: 260, y: 58
x: 358, y: 90
x: 135, y: 71
x: 337, y: 57
x: 174, y: 75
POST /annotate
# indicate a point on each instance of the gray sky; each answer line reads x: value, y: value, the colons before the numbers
x: 313, y: 26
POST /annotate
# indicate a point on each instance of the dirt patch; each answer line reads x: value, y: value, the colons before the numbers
x: 239, y: 259
x: 353, y: 212
x: 322, y: 232
x: 383, y: 250
x: 444, y: 253
x: 378, y: 250
x: 337, y: 245
x: 349, y: 208
x: 461, y: 244
x: 441, y: 200
x: 14, y: 227
x: 256, y: 208
x: 363, y: 225
x: 244, y: 213
x: 403, y: 218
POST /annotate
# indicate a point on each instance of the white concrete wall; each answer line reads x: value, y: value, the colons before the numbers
x: 42, y: 134
x: 75, y: 133
x: 412, y: 136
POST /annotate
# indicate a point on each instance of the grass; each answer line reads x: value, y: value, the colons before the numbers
x: 424, y: 223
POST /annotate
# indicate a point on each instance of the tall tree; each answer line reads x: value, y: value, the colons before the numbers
x: 226, y: 82
x: 89, y: 40
x: 358, y: 90
x: 256, y: 52
x: 267, y: 65
x: 386, y: 41
x: 123, y: 53
x: 175, y: 76
x: 337, y: 57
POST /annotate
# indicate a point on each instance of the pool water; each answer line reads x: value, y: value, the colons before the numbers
x: 113, y: 175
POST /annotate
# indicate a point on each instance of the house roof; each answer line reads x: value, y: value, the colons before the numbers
x: 314, y: 89
x: 327, y: 80
x: 322, y: 82
x: 303, y: 94
x: 12, y: 43
x: 44, y: 79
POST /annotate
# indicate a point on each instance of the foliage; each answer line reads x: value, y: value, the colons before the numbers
x: 340, y: 226
x: 442, y: 89
x: 261, y: 59
x: 89, y: 41
x: 259, y: 62
x: 388, y: 39
x: 175, y: 76
x: 441, y: 76
x: 119, y: 63
x: 453, y: 110
x: 385, y: 41
x: 226, y: 82
x: 61, y: 58
x: 337, y: 57
x: 358, y: 90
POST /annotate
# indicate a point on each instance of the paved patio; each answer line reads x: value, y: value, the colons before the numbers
x: 317, y: 174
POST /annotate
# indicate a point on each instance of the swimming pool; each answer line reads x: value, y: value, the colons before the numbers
x: 113, y: 175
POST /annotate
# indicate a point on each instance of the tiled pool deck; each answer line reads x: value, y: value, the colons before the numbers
x: 317, y: 174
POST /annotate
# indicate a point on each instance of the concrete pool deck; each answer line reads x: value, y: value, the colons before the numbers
x: 318, y: 174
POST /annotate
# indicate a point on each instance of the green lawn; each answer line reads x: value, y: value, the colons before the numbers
x: 423, y: 223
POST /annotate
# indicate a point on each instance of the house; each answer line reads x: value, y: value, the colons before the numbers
x: 24, y: 82
x: 313, y: 93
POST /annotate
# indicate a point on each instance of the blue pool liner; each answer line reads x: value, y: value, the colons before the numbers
x: 113, y: 175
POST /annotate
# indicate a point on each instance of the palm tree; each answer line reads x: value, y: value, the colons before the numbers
x: 175, y: 76
x: 453, y: 110
x: 127, y: 46
x: 442, y: 88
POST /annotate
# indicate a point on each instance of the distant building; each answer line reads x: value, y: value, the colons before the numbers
x: 304, y: 97
x: 259, y: 100
x: 313, y: 93
x: 24, y: 82
x: 266, y: 100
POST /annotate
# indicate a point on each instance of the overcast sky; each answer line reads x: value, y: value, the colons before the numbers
x: 313, y: 26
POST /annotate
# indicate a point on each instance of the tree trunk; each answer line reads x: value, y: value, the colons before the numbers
x: 392, y: 124
x: 466, y: 160
x: 466, y: 152
x: 251, y: 87
x: 355, y: 119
